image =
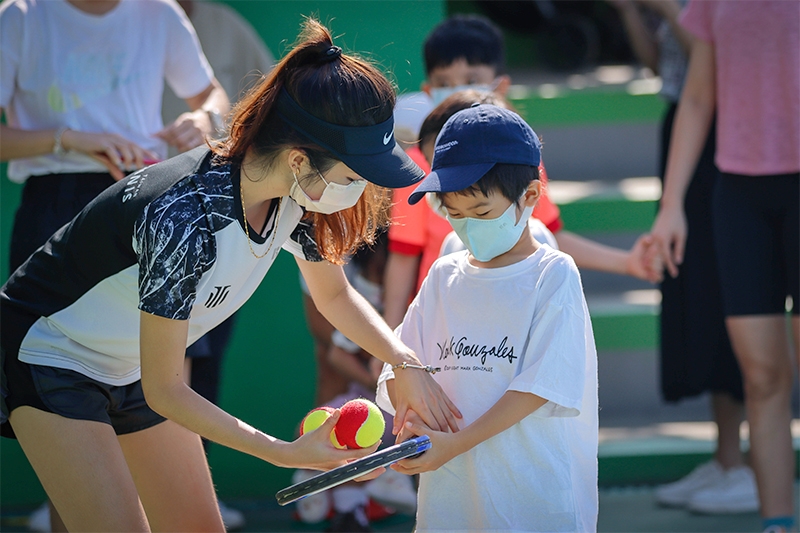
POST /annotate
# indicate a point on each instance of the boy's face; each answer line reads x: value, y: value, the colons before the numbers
x: 478, y: 206
x: 459, y: 73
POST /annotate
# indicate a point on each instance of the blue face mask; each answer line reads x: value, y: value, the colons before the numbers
x: 488, y: 238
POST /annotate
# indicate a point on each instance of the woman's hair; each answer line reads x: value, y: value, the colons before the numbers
x: 454, y: 103
x: 334, y: 87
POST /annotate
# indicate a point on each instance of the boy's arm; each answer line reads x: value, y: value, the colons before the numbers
x: 511, y: 408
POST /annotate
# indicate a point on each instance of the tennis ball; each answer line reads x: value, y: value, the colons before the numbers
x: 314, y: 419
x: 361, y: 424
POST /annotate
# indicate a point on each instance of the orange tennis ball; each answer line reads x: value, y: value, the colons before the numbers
x: 361, y: 424
x: 314, y: 419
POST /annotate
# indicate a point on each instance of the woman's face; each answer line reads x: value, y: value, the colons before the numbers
x: 338, y: 173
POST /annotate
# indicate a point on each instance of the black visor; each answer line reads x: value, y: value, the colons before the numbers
x: 371, y: 151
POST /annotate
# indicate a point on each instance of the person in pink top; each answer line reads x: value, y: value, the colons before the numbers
x: 745, y: 63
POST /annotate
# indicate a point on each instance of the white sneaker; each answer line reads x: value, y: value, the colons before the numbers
x: 231, y: 518
x: 735, y: 493
x: 394, y: 490
x: 314, y: 508
x: 678, y: 493
x: 39, y: 520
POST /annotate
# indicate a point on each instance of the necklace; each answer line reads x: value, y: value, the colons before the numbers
x: 246, y: 225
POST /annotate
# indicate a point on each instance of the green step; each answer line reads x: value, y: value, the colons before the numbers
x: 625, y: 321
x: 607, y: 206
x: 662, y: 452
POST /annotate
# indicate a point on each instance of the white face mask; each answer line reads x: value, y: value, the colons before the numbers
x: 488, y: 238
x: 439, y: 94
x: 335, y: 197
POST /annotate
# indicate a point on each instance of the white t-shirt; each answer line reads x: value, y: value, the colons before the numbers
x: 233, y: 48
x: 62, y: 67
x: 524, y: 327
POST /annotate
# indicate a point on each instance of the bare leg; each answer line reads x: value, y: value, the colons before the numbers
x: 171, y: 474
x: 728, y: 414
x: 82, y: 469
x: 761, y: 346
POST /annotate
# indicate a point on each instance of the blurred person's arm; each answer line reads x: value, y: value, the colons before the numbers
x: 641, y: 38
x: 692, y: 123
x: 669, y: 10
x: 399, y: 282
x: 352, y: 367
x: 116, y: 153
x: 206, y: 117
x: 595, y: 256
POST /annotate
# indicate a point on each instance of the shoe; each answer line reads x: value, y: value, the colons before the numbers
x: 231, y: 518
x: 354, y: 521
x: 314, y: 508
x: 678, y: 493
x: 394, y: 490
x: 39, y: 520
x: 735, y: 493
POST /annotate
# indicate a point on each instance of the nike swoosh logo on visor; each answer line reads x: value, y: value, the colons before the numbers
x: 387, y: 137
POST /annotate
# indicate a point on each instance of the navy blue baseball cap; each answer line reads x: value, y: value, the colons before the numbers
x: 371, y: 151
x: 474, y: 140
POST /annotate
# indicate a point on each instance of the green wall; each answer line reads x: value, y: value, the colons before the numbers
x: 269, y: 370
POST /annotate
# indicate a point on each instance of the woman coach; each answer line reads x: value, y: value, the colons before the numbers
x: 98, y: 320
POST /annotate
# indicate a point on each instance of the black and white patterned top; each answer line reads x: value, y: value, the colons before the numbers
x: 168, y: 240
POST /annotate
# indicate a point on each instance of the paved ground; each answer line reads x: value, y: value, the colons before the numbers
x: 623, y: 510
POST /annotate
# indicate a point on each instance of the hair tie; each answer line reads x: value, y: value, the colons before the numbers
x: 333, y: 52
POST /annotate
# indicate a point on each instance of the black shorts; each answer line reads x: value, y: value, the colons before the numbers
x: 72, y: 395
x: 48, y: 202
x: 757, y: 233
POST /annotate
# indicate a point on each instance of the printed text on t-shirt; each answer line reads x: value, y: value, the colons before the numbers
x: 462, y: 348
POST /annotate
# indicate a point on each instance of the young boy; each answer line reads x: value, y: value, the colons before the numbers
x: 505, y: 328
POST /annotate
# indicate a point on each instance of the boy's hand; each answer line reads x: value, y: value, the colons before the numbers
x: 417, y: 390
x: 443, y: 447
x: 641, y: 262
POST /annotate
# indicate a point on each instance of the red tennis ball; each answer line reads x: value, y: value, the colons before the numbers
x: 361, y: 424
x: 314, y: 419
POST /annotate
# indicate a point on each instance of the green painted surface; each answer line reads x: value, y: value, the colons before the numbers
x: 608, y: 215
x: 625, y: 332
x: 590, y: 106
x: 390, y: 33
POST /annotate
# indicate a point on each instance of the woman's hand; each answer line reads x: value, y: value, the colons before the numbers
x: 669, y: 236
x: 444, y: 446
x: 416, y: 389
x: 116, y: 153
x: 315, y: 451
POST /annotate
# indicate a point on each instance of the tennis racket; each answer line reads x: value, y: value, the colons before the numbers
x: 332, y: 478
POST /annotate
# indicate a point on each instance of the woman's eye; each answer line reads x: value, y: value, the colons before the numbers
x: 481, y: 215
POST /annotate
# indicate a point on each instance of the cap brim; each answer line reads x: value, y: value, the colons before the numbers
x: 392, y: 169
x: 449, y: 179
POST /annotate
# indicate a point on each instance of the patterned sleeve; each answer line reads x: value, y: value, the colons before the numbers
x: 175, y: 246
x: 301, y: 242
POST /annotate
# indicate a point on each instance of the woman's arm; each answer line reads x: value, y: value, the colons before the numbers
x: 351, y: 314
x: 512, y: 407
x: 163, y: 348
x: 692, y: 123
